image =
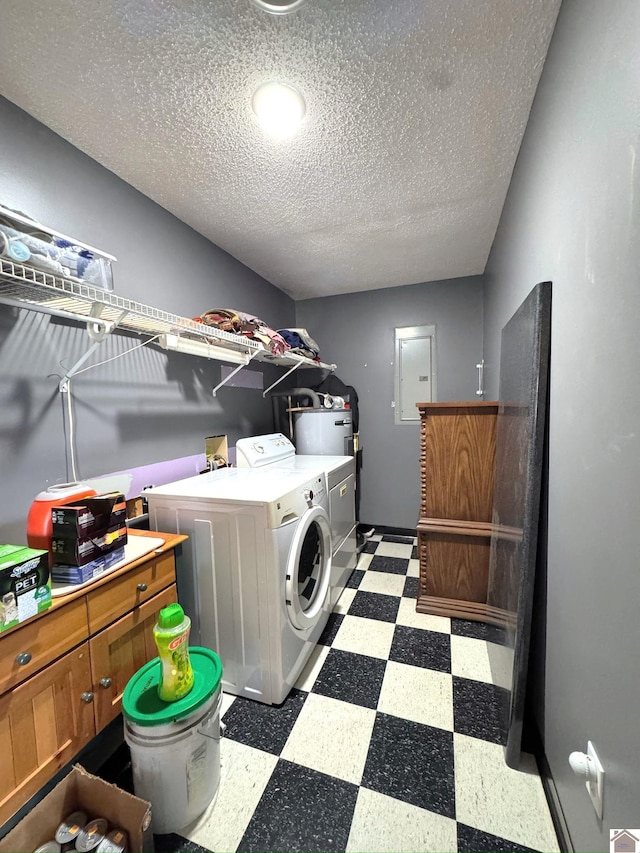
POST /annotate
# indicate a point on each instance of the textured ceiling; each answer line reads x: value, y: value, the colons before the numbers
x: 415, y: 113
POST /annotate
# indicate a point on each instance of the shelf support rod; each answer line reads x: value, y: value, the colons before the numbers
x: 231, y: 375
x: 282, y: 378
x: 64, y: 382
x: 97, y: 331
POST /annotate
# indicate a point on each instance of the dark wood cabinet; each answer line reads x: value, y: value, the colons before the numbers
x: 458, y: 444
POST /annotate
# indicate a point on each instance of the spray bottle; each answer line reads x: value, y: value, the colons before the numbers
x: 171, y: 633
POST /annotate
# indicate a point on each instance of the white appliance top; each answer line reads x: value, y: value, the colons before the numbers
x: 276, y: 451
x: 260, y: 450
x: 244, y: 485
x: 312, y: 463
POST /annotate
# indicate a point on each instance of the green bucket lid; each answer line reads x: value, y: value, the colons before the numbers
x: 142, y: 705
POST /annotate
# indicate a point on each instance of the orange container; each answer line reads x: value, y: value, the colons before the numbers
x: 39, y: 526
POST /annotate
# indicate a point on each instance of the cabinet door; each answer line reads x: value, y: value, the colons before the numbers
x: 43, y: 723
x: 457, y: 462
x: 120, y: 650
x: 124, y: 593
x: 454, y: 565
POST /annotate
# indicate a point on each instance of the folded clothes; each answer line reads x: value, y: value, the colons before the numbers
x: 301, y: 339
x: 241, y: 323
x: 269, y: 337
x: 223, y: 319
x: 307, y: 340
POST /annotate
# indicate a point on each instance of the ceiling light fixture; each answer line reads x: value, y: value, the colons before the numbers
x: 279, y: 7
x: 280, y: 109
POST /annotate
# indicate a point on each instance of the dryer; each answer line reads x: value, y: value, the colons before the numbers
x: 275, y: 451
x: 254, y: 574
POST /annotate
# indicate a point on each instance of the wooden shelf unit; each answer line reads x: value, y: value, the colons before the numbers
x: 458, y: 443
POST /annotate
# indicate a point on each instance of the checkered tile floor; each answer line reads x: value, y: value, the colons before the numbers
x: 388, y: 742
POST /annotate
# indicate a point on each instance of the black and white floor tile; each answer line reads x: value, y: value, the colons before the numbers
x: 388, y: 742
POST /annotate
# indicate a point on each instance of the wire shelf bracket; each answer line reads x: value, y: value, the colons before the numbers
x: 229, y: 376
x: 283, y: 377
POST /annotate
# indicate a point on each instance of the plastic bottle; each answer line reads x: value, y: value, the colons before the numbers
x: 171, y: 633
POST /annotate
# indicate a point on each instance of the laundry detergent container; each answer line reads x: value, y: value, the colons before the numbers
x: 175, y: 746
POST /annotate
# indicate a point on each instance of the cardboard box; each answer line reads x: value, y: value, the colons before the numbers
x: 80, y: 790
x: 25, y: 584
x: 89, y: 517
x: 216, y: 451
x: 135, y: 507
x: 79, y: 552
x: 81, y: 574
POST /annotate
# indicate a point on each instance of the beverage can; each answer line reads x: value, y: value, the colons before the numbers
x: 70, y: 827
x: 115, y: 842
x: 92, y: 834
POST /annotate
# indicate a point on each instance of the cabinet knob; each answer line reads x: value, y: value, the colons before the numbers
x: 142, y: 587
x: 87, y: 698
x: 23, y: 658
x: 106, y: 682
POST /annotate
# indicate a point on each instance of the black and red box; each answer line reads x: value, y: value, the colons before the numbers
x: 86, y: 529
x: 77, y: 552
x: 89, y: 517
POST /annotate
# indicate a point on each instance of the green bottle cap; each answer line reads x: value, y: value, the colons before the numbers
x: 171, y: 616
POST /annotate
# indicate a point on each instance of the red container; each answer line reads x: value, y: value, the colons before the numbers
x: 39, y: 525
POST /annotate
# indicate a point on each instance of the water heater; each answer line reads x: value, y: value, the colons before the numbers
x: 324, y: 432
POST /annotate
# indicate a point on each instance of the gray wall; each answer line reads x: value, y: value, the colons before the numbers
x: 149, y: 406
x: 356, y: 331
x: 572, y: 216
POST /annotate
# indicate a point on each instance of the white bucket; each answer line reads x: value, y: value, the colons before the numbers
x: 176, y: 766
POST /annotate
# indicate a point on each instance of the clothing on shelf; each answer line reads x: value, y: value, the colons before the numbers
x: 301, y: 342
x: 241, y: 323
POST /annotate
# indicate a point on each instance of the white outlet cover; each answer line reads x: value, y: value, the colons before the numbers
x: 596, y: 788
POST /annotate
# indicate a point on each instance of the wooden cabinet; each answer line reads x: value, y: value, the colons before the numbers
x: 43, y: 723
x: 63, y: 673
x: 457, y: 459
x: 119, y: 650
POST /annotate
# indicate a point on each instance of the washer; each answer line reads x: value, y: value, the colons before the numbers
x: 254, y: 574
x: 275, y: 451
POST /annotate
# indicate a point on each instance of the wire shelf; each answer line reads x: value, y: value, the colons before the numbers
x: 40, y: 290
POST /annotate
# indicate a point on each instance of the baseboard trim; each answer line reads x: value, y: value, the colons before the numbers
x: 382, y: 529
x: 551, y: 793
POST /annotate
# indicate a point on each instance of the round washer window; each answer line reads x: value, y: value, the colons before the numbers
x: 310, y: 565
x: 309, y: 569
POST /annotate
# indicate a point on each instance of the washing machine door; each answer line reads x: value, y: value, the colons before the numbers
x: 308, y: 569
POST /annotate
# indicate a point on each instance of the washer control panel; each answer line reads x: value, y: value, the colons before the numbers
x: 262, y: 450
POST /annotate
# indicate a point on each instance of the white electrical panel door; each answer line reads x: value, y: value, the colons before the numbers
x: 415, y: 374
